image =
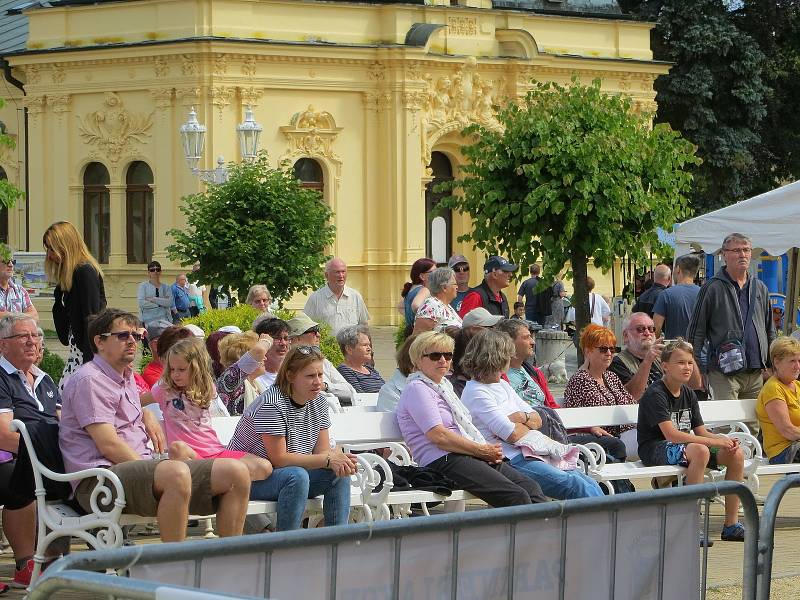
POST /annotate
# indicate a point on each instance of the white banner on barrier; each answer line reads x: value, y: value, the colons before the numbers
x: 365, y: 569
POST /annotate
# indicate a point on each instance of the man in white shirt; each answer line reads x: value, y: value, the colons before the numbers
x: 335, y: 303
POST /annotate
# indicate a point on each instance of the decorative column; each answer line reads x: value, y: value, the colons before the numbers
x: 168, y: 157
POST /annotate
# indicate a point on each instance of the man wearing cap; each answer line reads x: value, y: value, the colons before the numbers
x: 304, y: 331
x: 335, y: 303
x: 460, y: 265
x: 152, y: 372
x: 496, y: 276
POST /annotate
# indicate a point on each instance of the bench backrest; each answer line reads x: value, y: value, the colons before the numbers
x: 364, y: 399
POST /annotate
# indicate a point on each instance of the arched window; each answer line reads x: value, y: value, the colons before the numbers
x: 96, y: 206
x: 309, y: 172
x: 139, y: 213
x: 3, y: 211
x: 439, y: 223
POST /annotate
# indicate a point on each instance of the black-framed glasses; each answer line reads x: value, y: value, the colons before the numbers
x: 464, y: 269
x: 606, y: 349
x: 155, y: 269
x: 437, y: 356
x: 26, y: 336
x: 10, y: 262
x: 309, y: 350
x: 123, y: 336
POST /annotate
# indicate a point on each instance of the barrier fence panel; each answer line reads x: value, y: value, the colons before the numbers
x: 766, y: 534
x: 623, y: 547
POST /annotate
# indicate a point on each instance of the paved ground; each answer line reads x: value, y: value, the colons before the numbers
x: 725, y: 558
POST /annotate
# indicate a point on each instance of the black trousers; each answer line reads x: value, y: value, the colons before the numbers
x: 496, y: 484
x: 615, y: 452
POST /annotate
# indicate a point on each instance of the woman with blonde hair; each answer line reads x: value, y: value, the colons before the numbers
x: 778, y: 407
x: 259, y: 297
x: 79, y: 291
x: 242, y: 356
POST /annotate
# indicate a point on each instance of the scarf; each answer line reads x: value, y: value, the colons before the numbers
x: 460, y: 412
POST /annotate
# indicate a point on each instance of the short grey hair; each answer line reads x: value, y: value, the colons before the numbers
x: 662, y: 273
x: 348, y: 336
x: 7, y: 323
x: 512, y: 327
x: 627, y: 322
x: 256, y: 289
x: 487, y: 354
x: 439, y: 278
x: 739, y: 237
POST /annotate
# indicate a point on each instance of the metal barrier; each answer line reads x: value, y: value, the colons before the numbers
x: 622, y: 556
x: 766, y: 533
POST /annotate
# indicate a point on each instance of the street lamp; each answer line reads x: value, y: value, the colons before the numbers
x: 193, y: 137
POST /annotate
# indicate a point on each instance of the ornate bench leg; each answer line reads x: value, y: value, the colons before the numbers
x: 209, y: 533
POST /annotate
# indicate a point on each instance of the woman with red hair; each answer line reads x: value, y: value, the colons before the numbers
x: 594, y: 385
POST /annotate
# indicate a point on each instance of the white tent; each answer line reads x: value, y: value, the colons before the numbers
x: 771, y: 220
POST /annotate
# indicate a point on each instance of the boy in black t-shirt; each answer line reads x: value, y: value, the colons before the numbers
x: 668, y: 414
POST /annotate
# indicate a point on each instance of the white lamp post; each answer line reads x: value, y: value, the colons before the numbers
x: 193, y: 137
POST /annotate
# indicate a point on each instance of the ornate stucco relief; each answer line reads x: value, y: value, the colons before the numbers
x: 113, y: 129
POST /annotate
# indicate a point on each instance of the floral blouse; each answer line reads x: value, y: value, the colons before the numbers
x: 436, y: 310
x: 582, y: 390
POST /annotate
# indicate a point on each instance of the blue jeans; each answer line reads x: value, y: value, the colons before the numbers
x: 292, y: 486
x: 783, y: 457
x: 558, y: 484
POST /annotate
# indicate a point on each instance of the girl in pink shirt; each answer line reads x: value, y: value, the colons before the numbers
x: 185, y: 393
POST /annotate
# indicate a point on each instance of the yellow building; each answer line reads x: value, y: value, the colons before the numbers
x: 370, y: 97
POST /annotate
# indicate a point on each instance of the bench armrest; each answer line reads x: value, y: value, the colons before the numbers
x: 589, y: 458
x: 399, y: 453
x: 749, y: 444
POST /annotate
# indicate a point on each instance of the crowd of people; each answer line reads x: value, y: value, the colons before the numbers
x: 473, y: 408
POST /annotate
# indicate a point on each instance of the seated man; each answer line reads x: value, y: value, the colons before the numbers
x: 103, y: 425
x: 638, y: 365
x: 26, y: 393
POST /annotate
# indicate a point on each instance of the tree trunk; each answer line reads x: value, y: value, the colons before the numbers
x: 579, y: 261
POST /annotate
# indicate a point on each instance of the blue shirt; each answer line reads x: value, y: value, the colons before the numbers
x: 181, y: 297
x: 752, y: 350
x: 676, y: 305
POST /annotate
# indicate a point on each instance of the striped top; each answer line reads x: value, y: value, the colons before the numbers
x: 364, y: 383
x: 274, y: 414
x: 15, y: 298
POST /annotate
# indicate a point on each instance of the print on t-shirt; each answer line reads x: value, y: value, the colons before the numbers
x: 682, y: 419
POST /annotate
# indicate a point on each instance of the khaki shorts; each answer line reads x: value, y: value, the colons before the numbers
x: 137, y: 482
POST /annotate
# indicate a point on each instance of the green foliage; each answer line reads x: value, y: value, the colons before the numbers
x: 715, y: 94
x: 259, y: 227
x: 145, y: 359
x: 400, y: 333
x: 574, y: 174
x: 9, y: 193
x: 52, y: 364
x: 243, y: 316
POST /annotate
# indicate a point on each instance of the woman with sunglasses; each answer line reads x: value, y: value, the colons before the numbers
x: 438, y: 429
x: 436, y: 311
x: 594, y: 385
x: 79, y: 291
x: 288, y: 425
x: 155, y: 298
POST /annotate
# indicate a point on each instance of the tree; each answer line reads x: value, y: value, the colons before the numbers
x: 261, y: 226
x: 574, y: 174
x: 714, y: 94
x: 9, y: 193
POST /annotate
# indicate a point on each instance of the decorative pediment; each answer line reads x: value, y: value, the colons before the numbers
x: 114, y: 129
x: 311, y: 133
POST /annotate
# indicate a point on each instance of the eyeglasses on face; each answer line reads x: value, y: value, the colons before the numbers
x: 10, y: 262
x: 738, y: 250
x: 464, y: 269
x: 643, y: 328
x: 155, y: 269
x: 25, y: 336
x: 606, y: 349
x: 123, y: 336
x: 437, y: 356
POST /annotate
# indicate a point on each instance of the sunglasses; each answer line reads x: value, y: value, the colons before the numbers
x: 464, y: 269
x: 309, y: 350
x: 606, y: 349
x: 10, y: 262
x: 437, y: 356
x: 123, y: 336
x: 155, y: 269
x: 643, y: 328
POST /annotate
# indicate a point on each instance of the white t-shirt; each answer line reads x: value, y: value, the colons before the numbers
x: 490, y: 404
x: 267, y: 379
x: 601, y: 312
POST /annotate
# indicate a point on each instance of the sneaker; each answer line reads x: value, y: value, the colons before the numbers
x: 733, y: 533
x: 22, y: 577
x: 4, y: 588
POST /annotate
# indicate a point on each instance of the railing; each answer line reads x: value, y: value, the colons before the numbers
x: 766, y: 533
x: 612, y: 547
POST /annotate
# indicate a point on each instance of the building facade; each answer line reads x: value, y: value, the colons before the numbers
x: 366, y: 100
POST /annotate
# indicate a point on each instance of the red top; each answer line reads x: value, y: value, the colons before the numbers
x: 152, y: 372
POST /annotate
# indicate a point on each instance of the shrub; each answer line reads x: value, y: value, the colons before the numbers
x: 53, y: 365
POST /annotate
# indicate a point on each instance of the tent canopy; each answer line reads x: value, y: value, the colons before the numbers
x: 771, y: 220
